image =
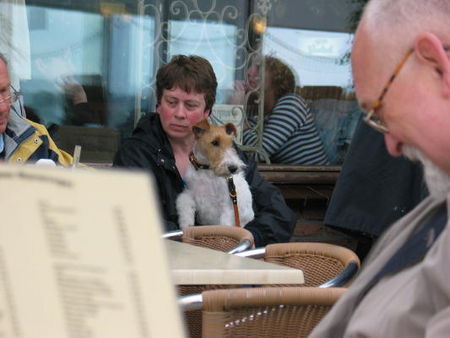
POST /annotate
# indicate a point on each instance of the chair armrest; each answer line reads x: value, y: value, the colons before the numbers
x: 241, y: 247
x: 191, y: 302
x: 174, y: 235
x: 343, y: 278
x: 254, y: 253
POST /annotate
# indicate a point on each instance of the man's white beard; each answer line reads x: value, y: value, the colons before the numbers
x: 438, y: 181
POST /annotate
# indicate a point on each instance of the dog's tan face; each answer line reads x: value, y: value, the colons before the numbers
x: 215, y: 143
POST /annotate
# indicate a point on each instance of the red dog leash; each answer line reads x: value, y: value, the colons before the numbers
x: 233, y: 196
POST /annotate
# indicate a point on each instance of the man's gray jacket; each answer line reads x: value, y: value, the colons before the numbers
x: 414, y: 302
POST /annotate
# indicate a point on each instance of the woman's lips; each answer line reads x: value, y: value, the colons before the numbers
x: 179, y: 126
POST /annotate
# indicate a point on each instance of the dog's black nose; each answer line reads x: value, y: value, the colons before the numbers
x: 232, y: 169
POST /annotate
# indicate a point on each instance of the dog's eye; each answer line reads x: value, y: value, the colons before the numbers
x: 215, y: 143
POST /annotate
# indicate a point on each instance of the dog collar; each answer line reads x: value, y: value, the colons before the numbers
x: 195, y: 162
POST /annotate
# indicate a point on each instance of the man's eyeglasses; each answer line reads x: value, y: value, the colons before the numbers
x: 11, y: 95
x: 371, y: 118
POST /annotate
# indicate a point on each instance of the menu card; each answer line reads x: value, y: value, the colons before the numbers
x: 81, y: 256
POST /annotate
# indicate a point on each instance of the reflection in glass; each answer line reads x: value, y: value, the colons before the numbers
x: 92, y: 64
x: 76, y: 54
x: 316, y: 56
x: 212, y: 40
x: 324, y: 79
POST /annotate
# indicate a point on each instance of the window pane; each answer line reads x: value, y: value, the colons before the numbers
x: 317, y: 57
x: 92, y: 64
x: 61, y: 55
x: 214, y: 41
x: 314, y: 38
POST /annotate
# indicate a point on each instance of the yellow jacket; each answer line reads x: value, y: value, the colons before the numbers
x: 27, y: 141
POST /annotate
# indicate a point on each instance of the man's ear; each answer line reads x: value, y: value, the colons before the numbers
x: 206, y: 113
x: 429, y: 48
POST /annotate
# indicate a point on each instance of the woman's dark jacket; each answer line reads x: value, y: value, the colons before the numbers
x: 149, y: 148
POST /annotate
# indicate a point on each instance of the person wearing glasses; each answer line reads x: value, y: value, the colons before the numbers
x: 401, y: 70
x: 22, y: 140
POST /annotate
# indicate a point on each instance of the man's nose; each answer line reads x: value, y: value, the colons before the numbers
x: 393, y: 145
x: 4, y: 106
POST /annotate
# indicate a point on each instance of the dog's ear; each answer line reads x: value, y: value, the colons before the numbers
x: 200, y: 128
x: 230, y: 129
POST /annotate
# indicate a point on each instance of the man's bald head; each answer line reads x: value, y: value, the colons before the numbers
x: 395, y: 24
x: 404, y: 45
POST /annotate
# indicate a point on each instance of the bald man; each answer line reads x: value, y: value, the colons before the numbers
x: 401, y: 70
x: 21, y: 140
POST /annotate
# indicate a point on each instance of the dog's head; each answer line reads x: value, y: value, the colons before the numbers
x: 214, y: 145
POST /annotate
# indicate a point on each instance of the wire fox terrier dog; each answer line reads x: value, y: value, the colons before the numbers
x: 216, y: 191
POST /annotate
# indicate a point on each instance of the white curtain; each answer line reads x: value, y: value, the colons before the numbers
x: 15, y: 39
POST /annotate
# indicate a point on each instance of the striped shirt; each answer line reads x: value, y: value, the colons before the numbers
x: 289, y: 135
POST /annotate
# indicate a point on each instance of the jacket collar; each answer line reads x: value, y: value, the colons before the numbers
x: 17, y: 131
x: 150, y: 130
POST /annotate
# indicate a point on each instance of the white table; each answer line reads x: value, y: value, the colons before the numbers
x: 192, y: 265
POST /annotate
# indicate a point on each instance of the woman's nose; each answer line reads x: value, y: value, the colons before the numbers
x: 252, y: 72
x: 180, y: 111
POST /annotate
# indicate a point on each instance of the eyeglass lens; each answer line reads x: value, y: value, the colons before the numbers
x: 8, y: 95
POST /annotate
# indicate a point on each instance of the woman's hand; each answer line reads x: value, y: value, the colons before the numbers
x: 238, y: 95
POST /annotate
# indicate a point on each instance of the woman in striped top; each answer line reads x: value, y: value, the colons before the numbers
x: 289, y: 135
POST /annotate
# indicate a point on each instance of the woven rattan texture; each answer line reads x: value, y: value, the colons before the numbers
x: 316, y: 269
x: 266, y: 312
x: 273, y: 321
x: 215, y: 242
x: 193, y: 319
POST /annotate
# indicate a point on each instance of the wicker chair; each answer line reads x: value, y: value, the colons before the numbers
x: 323, y: 265
x: 217, y: 237
x: 262, y: 312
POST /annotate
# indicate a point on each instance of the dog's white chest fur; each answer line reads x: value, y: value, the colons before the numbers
x: 208, y: 195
